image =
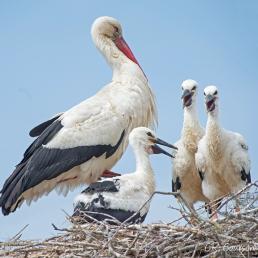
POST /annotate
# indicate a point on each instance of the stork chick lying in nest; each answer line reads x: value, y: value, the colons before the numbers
x: 222, y: 157
x: 124, y: 198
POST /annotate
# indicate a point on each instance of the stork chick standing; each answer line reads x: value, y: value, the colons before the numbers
x: 186, y: 179
x: 77, y: 146
x: 222, y: 158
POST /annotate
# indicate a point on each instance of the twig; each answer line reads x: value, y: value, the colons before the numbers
x: 19, y: 234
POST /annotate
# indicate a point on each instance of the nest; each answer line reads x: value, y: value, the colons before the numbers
x: 234, y: 234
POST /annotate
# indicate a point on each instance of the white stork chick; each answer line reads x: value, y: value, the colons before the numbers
x: 185, y: 175
x: 122, y: 196
x: 222, y: 158
x: 77, y: 146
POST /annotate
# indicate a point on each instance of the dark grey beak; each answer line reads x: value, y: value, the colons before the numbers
x: 161, y: 142
x: 157, y: 150
x: 210, y: 102
x: 186, y: 93
x: 209, y: 98
x: 187, y: 98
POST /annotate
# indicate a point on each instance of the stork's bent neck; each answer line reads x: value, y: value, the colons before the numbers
x: 121, y: 65
x: 128, y: 69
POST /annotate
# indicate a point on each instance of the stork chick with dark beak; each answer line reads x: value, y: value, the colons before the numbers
x: 187, y: 97
x: 185, y: 174
x: 210, y: 101
x: 222, y: 157
x: 127, y: 197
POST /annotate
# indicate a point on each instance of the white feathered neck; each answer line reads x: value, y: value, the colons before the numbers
x: 127, y: 73
x: 192, y: 130
x: 214, y: 134
x: 144, y: 171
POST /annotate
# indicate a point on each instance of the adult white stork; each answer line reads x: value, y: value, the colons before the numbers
x: 185, y: 175
x: 222, y: 157
x: 124, y: 198
x: 78, y: 145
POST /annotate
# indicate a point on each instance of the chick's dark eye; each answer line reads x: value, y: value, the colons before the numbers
x: 150, y: 134
x: 216, y: 92
x: 194, y: 88
x: 204, y: 94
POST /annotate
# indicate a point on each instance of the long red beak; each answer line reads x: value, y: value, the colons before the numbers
x: 125, y: 49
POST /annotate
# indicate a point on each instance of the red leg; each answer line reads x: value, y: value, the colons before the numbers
x: 214, y: 217
x: 108, y: 173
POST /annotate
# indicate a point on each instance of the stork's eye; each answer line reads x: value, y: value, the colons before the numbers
x: 117, y: 31
x: 204, y: 94
x: 150, y: 134
x: 216, y: 92
x: 194, y: 88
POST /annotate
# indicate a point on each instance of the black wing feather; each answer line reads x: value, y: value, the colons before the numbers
x: 103, y: 186
x: 41, y: 163
x: 44, y: 138
x: 201, y: 174
x: 85, y: 214
x: 246, y: 176
x: 38, y: 130
x: 173, y: 186
x: 176, y: 185
x: 86, y: 211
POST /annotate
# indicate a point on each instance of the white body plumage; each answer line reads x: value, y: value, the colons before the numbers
x: 222, y: 156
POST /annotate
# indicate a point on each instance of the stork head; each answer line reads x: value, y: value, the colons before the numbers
x: 211, y: 98
x: 108, y: 37
x: 145, y: 139
x: 189, y: 88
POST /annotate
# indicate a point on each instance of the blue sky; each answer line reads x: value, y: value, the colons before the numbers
x: 48, y: 63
